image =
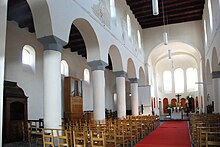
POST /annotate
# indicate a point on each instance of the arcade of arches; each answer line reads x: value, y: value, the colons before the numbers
x: 121, y: 66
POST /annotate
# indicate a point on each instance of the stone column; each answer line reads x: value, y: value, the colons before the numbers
x: 52, y: 80
x: 98, y: 82
x: 216, y: 92
x: 121, y: 98
x: 134, y: 96
x: 3, y: 22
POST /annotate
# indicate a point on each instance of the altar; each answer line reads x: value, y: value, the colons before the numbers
x: 176, y: 113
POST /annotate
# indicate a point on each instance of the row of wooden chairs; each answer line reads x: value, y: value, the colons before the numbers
x: 112, y: 133
x: 204, y: 129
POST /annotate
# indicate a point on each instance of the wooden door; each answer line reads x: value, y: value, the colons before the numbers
x: 165, y: 104
x: 173, y: 102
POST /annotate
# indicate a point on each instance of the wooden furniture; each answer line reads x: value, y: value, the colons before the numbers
x: 15, y: 112
x: 80, y: 138
x: 62, y: 137
x: 34, y: 130
x: 73, y: 100
x: 48, y: 137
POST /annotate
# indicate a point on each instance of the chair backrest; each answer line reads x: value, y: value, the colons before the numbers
x: 79, y: 138
x: 97, y: 139
x: 48, y: 137
x: 110, y: 136
x: 212, y: 139
x: 62, y: 138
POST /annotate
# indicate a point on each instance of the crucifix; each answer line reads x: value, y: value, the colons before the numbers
x: 178, y: 97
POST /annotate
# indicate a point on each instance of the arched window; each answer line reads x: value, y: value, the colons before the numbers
x: 167, y: 81
x: 129, y: 25
x: 210, y: 14
x: 179, y: 80
x: 139, y: 38
x: 86, y: 75
x: 64, y: 68
x: 112, y: 8
x: 192, y: 77
x: 28, y: 56
x: 205, y: 31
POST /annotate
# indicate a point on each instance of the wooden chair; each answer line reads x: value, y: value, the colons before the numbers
x: 120, y: 136
x: 110, y: 136
x: 80, y: 138
x: 34, y: 132
x: 212, y: 139
x: 62, y: 138
x: 48, y: 137
x: 25, y: 131
x: 97, y: 139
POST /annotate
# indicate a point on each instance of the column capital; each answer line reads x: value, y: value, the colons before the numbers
x: 97, y: 65
x: 52, y: 43
x: 133, y: 80
x: 215, y: 74
x: 120, y: 73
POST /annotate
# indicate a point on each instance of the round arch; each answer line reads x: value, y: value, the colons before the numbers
x: 116, y: 58
x: 42, y: 23
x: 90, y: 39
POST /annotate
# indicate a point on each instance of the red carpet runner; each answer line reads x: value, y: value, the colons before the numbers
x: 169, y: 134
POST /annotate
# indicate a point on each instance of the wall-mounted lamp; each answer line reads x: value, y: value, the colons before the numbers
x: 155, y: 7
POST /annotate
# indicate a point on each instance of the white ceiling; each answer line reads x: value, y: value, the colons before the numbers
x: 177, y: 48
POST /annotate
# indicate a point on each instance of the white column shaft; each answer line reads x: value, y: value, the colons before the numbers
x: 121, y: 99
x: 98, y: 81
x: 52, y: 89
x: 3, y: 22
x: 134, y: 98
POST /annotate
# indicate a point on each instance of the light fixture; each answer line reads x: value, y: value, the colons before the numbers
x: 155, y: 7
x: 169, y: 54
x: 165, y: 38
x: 165, y: 33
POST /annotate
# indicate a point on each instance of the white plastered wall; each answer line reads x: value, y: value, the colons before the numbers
x: 31, y: 81
x: 189, y: 33
x: 63, y: 14
x: 213, y: 37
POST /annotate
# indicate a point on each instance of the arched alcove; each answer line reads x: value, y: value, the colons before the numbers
x: 215, y: 61
x: 131, y: 69
x: 165, y: 105
x: 142, y: 78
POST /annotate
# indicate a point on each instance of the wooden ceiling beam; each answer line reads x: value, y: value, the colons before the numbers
x: 166, y: 5
x: 147, y: 13
x: 174, y: 20
x: 75, y: 49
x: 170, y: 17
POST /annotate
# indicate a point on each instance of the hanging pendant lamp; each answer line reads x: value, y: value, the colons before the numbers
x: 165, y: 38
x: 155, y: 7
